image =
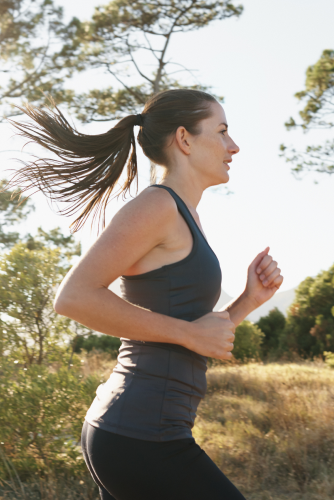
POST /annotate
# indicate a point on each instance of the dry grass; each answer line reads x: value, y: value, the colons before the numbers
x: 270, y: 429
x: 97, y: 363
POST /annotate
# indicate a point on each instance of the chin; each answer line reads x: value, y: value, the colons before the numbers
x: 225, y: 178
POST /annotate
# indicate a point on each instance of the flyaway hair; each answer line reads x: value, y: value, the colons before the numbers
x: 82, y: 176
x: 89, y: 166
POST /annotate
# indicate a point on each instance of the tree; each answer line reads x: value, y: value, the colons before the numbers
x: 248, y: 340
x: 309, y: 329
x: 105, y: 343
x: 117, y: 33
x: 31, y: 35
x: 123, y: 29
x: 318, y: 113
x: 32, y: 332
x: 272, y: 327
x: 11, y: 212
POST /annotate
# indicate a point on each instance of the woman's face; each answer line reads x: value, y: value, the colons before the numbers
x: 211, y: 151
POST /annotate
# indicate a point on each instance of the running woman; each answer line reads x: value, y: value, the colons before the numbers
x: 137, y: 436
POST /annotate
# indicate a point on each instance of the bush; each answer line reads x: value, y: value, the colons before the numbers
x: 309, y: 329
x: 272, y: 326
x: 248, y: 340
x: 329, y: 359
x: 41, y: 416
x: 105, y: 343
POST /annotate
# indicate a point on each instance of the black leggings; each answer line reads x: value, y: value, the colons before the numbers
x: 126, y: 468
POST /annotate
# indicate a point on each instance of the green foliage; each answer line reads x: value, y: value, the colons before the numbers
x: 248, y: 340
x: 314, y: 159
x: 31, y: 32
x: 41, y: 416
x: 317, y: 113
x: 11, y: 212
x: 29, y: 274
x: 310, y: 323
x: 272, y: 327
x: 318, y: 94
x: 105, y: 343
x: 45, y: 53
x: 329, y: 358
x: 114, y: 36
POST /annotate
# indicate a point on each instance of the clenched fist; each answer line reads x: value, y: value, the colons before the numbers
x: 263, y: 278
x: 213, y: 335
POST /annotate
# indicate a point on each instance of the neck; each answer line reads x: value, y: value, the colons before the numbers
x: 188, y: 189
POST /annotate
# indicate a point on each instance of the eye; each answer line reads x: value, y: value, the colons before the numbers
x: 223, y: 131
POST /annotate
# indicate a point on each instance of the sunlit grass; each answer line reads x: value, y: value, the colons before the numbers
x: 270, y: 429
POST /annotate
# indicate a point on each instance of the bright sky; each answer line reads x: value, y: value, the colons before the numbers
x: 257, y: 62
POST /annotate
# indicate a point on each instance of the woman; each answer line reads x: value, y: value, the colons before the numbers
x: 136, y: 437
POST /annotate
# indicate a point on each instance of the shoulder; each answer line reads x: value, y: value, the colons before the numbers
x: 152, y: 212
x: 153, y: 204
x: 155, y: 197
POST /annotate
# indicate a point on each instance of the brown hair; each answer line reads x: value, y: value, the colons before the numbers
x: 89, y: 166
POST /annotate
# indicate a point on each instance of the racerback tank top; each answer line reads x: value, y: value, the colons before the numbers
x: 155, y: 388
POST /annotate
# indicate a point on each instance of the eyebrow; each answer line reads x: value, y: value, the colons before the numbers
x: 223, y: 124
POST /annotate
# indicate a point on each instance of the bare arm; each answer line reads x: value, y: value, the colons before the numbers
x: 239, y: 308
x: 141, y: 225
x: 84, y: 296
x: 263, y: 280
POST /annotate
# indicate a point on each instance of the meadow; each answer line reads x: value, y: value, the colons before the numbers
x: 269, y: 427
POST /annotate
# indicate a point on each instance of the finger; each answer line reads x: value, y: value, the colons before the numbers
x: 223, y: 314
x: 264, y: 263
x: 231, y: 326
x: 277, y: 282
x: 268, y: 270
x: 259, y: 257
x: 269, y: 279
x: 229, y: 347
x: 231, y: 338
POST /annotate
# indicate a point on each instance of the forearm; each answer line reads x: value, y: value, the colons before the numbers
x: 239, y: 308
x: 105, y: 312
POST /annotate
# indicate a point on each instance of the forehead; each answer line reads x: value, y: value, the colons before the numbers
x: 217, y: 117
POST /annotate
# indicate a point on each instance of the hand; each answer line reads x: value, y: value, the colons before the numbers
x: 213, y: 335
x: 263, y: 278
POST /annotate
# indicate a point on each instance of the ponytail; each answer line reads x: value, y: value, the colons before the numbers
x: 89, y: 166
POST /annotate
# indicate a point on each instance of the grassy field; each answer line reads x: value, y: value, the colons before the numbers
x: 268, y: 427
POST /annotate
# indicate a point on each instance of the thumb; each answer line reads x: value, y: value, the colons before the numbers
x: 259, y: 258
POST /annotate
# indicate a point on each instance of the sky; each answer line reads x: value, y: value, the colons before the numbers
x: 258, y: 63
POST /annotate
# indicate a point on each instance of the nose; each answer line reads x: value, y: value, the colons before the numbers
x: 232, y: 147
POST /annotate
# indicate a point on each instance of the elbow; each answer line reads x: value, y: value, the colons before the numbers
x: 60, y: 306
x: 63, y: 304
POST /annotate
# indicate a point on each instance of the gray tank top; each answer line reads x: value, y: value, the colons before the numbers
x: 155, y: 388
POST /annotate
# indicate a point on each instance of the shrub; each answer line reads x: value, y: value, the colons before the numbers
x: 272, y: 326
x: 248, y: 340
x: 329, y: 359
x: 309, y: 329
x: 41, y: 416
x: 105, y: 343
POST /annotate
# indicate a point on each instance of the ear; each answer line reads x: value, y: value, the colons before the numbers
x: 182, y: 138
